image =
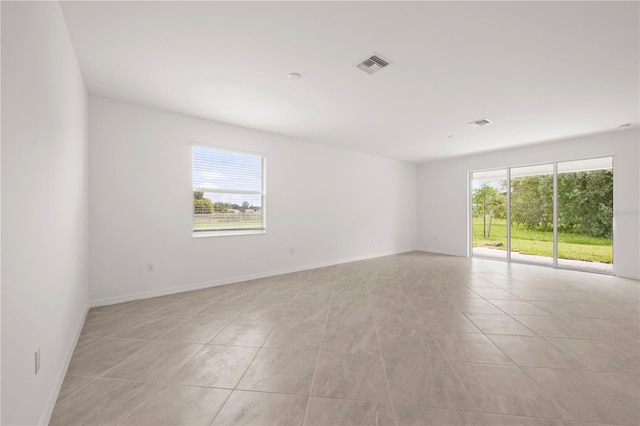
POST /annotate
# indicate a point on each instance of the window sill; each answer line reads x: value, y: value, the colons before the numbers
x: 229, y: 233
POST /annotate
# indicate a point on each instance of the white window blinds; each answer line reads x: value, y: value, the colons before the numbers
x: 228, y: 190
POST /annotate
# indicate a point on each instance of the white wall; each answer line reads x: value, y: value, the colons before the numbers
x: 327, y: 204
x: 443, y: 192
x: 0, y: 220
x: 44, y: 206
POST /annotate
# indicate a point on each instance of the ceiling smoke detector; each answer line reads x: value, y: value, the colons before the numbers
x: 480, y: 123
x: 372, y: 64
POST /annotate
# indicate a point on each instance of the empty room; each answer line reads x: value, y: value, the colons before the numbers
x: 320, y: 213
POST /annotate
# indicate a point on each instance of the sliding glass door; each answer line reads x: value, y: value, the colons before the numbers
x: 555, y: 214
x: 531, y: 214
x: 585, y: 214
x: 489, y: 213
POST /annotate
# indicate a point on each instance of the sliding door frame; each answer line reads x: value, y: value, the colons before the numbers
x: 555, y: 263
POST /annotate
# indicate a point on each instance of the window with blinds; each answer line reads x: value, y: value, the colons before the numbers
x: 228, y: 190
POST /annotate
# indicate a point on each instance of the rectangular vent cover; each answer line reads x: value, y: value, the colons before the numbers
x: 480, y: 123
x: 372, y: 64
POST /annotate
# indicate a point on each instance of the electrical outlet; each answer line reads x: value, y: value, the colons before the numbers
x: 150, y: 267
x: 292, y: 251
x: 37, y: 359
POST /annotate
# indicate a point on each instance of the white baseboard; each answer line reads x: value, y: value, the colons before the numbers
x: 45, y: 417
x: 197, y: 286
x: 438, y: 251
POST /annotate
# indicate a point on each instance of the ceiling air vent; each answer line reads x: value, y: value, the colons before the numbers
x: 372, y: 64
x: 480, y: 123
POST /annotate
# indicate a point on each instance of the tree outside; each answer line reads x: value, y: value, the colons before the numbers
x: 490, y: 202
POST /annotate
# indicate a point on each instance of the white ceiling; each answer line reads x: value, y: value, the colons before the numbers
x: 539, y: 70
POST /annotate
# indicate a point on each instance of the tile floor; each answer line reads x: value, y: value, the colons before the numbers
x: 411, y: 339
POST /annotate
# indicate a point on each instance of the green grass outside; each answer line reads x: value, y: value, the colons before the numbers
x: 227, y: 221
x: 540, y: 243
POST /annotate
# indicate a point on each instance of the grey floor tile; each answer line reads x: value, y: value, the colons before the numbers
x: 264, y: 409
x: 416, y: 379
x: 86, y: 340
x: 499, y: 324
x: 351, y: 376
x: 495, y: 294
x: 156, y: 362
x: 107, y: 324
x: 530, y: 293
x: 573, y: 309
x: 582, y: 328
x: 145, y: 328
x: 394, y: 305
x: 507, y: 389
x: 179, y: 405
x: 592, y: 396
x: 395, y: 340
x: 215, y: 366
x: 244, y: 333
x: 147, y: 306
x: 349, y: 314
x: 102, y: 401
x: 259, y: 311
x: 102, y: 355
x: 241, y: 297
x: 477, y: 306
x: 221, y: 310
x: 533, y: 351
x: 395, y: 317
x: 504, y: 420
x: 194, y: 330
x: 471, y: 347
x: 278, y: 296
x: 303, y: 312
x: 601, y: 355
x: 430, y: 302
x: 412, y: 415
x: 447, y: 321
x: 391, y: 298
x: 296, y: 336
x: 353, y: 339
x: 72, y: 384
x: 518, y: 307
x: 280, y: 370
x: 184, y: 308
x: 331, y: 411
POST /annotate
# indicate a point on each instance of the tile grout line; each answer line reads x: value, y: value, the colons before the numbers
x: 449, y: 362
x: 520, y: 368
x: 324, y: 332
x: 384, y: 364
x: 151, y: 393
x: 248, y: 365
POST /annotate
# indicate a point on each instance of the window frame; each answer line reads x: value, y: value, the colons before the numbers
x: 263, y: 195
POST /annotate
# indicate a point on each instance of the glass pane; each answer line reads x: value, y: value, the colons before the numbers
x: 532, y: 214
x: 489, y: 213
x: 585, y: 215
x: 220, y: 211
x: 216, y: 169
